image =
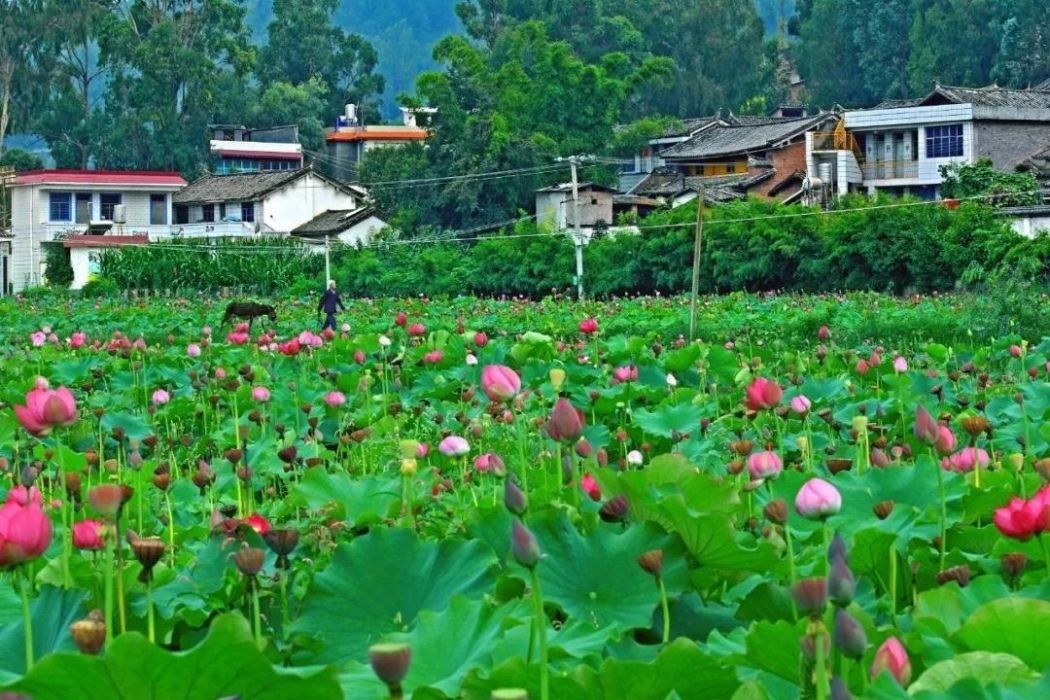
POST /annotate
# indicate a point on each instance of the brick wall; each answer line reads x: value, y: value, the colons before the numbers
x: 785, y: 162
x: 1008, y: 143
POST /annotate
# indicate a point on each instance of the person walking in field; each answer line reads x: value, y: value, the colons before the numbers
x: 329, y: 303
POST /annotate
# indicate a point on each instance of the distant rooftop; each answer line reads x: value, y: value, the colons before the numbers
x: 134, y: 178
x: 991, y: 96
x: 743, y: 135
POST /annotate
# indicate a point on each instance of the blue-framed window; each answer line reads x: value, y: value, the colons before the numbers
x: 247, y: 211
x: 944, y: 141
x: 106, y: 202
x: 60, y: 206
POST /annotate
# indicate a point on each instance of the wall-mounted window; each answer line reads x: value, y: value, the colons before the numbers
x: 158, y: 209
x: 60, y: 206
x: 106, y: 202
x: 208, y: 213
x: 182, y: 214
x: 247, y: 211
x: 944, y: 141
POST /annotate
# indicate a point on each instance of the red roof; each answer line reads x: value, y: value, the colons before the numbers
x: 141, y: 178
x: 378, y: 135
x: 94, y: 241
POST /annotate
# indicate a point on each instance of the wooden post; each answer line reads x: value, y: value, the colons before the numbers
x: 696, y: 262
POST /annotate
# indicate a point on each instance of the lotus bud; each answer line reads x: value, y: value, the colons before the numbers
x: 850, y: 638
x: 837, y: 549
x: 839, y: 691
x: 841, y: 583
x: 614, y: 510
x: 390, y: 663
x: 523, y: 546
x: 514, y: 498
x: 811, y: 595
x: 892, y: 657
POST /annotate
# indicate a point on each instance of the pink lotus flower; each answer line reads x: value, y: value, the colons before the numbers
x: 237, y: 338
x: 591, y: 488
x: 875, y: 359
x: 290, y: 348
x: 220, y: 373
x: 926, y: 428
x: 801, y: 404
x: 38, y: 338
x: 193, y: 350
x: 260, y: 394
x: 1020, y: 519
x: 335, y: 399
x: 401, y: 319
x: 862, y: 367
x: 764, y: 465
x: 763, y: 393
x: 817, y: 499
x: 25, y: 531
x: 480, y: 339
x: 77, y: 340
x: 589, y: 326
x: 472, y: 360
x: 490, y: 462
x: 500, y: 383
x: 966, y: 460
x: 139, y: 344
x: 310, y: 339
x: 417, y: 330
x: 945, y: 440
x: 359, y: 356
x: 258, y: 523
x: 454, y: 446
x: 433, y: 357
x: 422, y: 450
x: 900, y: 365
x: 87, y: 534
x: 45, y: 409
x: 823, y: 333
x: 41, y: 383
x: 328, y: 333
x: 161, y: 397
x: 1016, y: 351
x: 626, y: 373
x: 892, y: 657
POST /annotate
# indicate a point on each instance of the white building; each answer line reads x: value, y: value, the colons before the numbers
x: 255, y: 203
x: 237, y: 149
x: 48, y: 205
x: 900, y: 146
x: 555, y: 207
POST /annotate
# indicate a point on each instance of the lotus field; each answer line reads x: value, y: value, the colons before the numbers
x: 819, y: 497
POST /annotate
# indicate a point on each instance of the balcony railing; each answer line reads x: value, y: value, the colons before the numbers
x: 890, y: 169
x: 836, y: 141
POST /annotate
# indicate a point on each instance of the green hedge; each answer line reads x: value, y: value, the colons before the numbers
x: 751, y: 246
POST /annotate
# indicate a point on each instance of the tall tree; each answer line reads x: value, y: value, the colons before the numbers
x: 954, y: 42
x: 175, y: 65
x: 1024, y: 49
x: 828, y: 55
x: 304, y: 43
x: 72, y: 119
x: 25, y: 56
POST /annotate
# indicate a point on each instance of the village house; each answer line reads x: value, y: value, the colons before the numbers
x: 351, y: 139
x: 236, y: 149
x: 899, y: 147
x: 350, y: 227
x: 768, y: 154
x: 249, y: 204
x: 51, y: 205
x: 555, y: 208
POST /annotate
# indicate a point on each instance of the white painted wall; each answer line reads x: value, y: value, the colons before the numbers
x: 300, y: 201
x: 363, y: 231
x: 1030, y: 226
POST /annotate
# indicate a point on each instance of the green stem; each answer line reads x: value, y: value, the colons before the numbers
x: 149, y: 612
x: 823, y: 687
x: 1046, y: 555
x: 944, y: 509
x: 285, y: 619
x: 256, y: 613
x: 791, y: 567
x: 27, y: 618
x: 541, y: 624
x: 109, y: 596
x: 665, y: 608
x: 893, y: 581
x: 827, y: 545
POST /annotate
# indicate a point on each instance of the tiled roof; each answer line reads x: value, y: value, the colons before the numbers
x: 567, y: 187
x: 745, y: 136
x: 333, y: 221
x: 993, y: 96
x: 241, y: 187
x: 718, y: 188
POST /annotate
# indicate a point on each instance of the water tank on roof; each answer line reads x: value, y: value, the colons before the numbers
x: 120, y: 214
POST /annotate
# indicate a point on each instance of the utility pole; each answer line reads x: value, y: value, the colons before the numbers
x: 327, y: 262
x: 696, y: 262
x: 574, y: 161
